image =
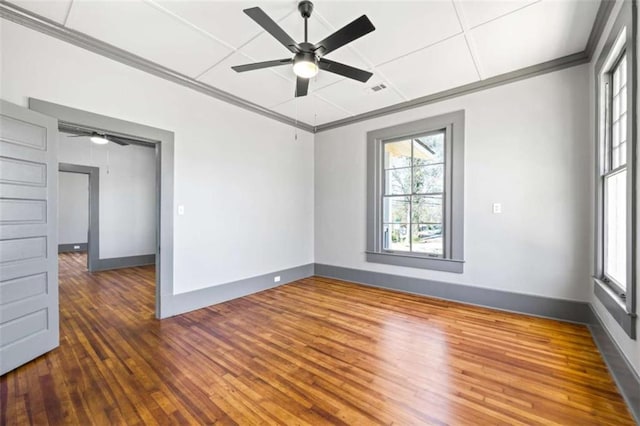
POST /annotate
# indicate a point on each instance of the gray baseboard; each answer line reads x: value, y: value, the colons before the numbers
x: 624, y: 375
x: 565, y: 310
x: 66, y: 248
x: 185, y: 302
x: 124, y: 262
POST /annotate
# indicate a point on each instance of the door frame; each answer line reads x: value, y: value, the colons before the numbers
x: 93, y: 236
x: 163, y: 142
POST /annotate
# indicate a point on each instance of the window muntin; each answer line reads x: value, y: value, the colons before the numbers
x: 414, y: 192
x: 614, y: 178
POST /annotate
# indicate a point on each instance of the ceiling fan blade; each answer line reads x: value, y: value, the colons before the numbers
x: 259, y: 65
x: 344, y: 70
x: 302, y: 86
x: 272, y: 28
x: 344, y: 35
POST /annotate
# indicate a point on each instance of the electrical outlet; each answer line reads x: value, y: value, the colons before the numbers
x: 180, y: 210
x: 497, y: 208
x: 276, y: 279
x: 76, y: 247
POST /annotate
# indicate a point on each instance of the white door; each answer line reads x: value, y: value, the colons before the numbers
x: 28, y: 235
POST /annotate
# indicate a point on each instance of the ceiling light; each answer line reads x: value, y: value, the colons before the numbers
x: 305, y: 65
x: 100, y: 140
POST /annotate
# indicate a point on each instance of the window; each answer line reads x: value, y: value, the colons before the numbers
x: 615, y: 197
x: 415, y: 197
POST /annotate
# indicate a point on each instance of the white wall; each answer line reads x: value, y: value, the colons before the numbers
x: 127, y: 193
x: 630, y: 348
x: 246, y: 184
x: 526, y: 146
x: 73, y: 207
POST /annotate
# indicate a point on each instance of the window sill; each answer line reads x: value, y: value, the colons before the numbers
x: 616, y: 307
x: 433, y: 263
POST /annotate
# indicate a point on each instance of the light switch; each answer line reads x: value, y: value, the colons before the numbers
x: 497, y: 208
x: 180, y: 210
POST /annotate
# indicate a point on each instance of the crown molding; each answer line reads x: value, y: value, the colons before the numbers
x: 510, y: 77
x: 39, y: 23
x: 604, y: 12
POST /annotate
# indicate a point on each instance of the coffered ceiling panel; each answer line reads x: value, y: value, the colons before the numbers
x: 401, y: 26
x: 432, y: 69
x: 418, y: 48
x: 141, y: 28
x: 55, y: 10
x: 478, y: 12
x: 263, y: 87
x: 225, y: 20
x: 359, y: 98
x: 541, y: 32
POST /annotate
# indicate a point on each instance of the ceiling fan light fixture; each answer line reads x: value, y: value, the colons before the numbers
x: 305, y: 65
x: 100, y: 140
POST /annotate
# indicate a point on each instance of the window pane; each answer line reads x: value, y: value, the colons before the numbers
x: 623, y: 128
x: 616, y: 107
x: 428, y: 149
x: 427, y: 209
x: 615, y: 244
x: 623, y: 70
x: 397, y: 181
x: 623, y: 100
x: 428, y: 179
x: 395, y: 236
x: 397, y: 154
x: 615, y: 159
x: 395, y: 209
x: 427, y: 238
x: 622, y: 152
x: 615, y: 135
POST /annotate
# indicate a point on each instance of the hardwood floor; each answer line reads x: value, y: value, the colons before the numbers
x: 317, y: 351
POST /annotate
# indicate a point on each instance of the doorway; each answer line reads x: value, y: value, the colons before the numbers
x: 71, y: 120
x: 78, y: 211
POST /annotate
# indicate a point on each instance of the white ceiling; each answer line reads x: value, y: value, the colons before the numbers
x: 418, y: 48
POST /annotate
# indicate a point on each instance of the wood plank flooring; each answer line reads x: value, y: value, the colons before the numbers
x: 317, y: 351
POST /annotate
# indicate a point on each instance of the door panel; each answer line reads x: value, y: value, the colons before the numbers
x: 28, y: 236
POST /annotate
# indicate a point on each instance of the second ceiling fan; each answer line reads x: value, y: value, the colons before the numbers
x: 308, y: 58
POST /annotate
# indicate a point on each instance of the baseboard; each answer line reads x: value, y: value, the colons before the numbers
x: 123, y: 262
x: 561, y: 309
x: 186, y: 302
x: 624, y: 375
x: 66, y: 248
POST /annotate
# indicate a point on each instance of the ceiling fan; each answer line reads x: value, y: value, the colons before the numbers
x: 103, y: 138
x: 308, y: 58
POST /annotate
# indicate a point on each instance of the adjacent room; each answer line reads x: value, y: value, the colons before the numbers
x: 328, y: 212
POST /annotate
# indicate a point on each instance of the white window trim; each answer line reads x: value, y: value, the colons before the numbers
x: 622, y: 38
x: 453, y: 259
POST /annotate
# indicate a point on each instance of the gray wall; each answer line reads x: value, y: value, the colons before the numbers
x: 73, y: 207
x: 127, y: 193
x: 629, y: 347
x: 245, y: 181
x: 527, y: 147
